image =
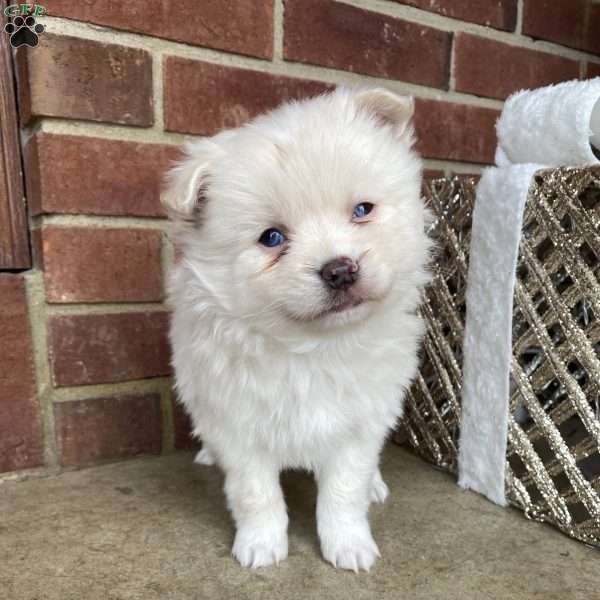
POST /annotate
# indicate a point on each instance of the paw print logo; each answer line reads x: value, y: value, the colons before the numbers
x: 24, y: 31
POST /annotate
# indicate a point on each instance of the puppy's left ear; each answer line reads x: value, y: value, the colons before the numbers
x: 390, y: 108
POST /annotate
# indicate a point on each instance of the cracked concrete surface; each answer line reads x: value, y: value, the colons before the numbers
x: 157, y: 528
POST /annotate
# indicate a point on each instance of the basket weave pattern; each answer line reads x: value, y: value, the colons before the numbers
x: 432, y: 413
x: 553, y: 460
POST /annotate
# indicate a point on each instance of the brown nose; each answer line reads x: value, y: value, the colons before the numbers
x: 340, y: 273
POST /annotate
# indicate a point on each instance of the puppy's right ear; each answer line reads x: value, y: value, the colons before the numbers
x: 391, y: 109
x: 186, y: 183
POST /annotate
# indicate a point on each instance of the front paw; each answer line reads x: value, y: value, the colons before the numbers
x: 349, y: 547
x: 259, y: 547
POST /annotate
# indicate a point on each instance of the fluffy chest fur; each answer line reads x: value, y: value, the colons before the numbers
x: 296, y: 402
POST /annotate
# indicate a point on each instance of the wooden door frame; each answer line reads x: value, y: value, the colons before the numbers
x: 14, y: 236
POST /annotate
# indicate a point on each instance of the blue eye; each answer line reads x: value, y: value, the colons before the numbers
x: 362, y: 210
x: 271, y: 238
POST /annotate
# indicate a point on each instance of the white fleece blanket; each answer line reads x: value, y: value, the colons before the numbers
x: 551, y: 126
x: 487, y: 347
x: 548, y: 127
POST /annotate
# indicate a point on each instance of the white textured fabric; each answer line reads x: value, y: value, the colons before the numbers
x: 547, y: 127
x: 495, y: 236
x: 551, y: 125
x: 595, y: 125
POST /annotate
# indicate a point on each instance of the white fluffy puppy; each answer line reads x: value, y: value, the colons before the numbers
x: 294, y: 333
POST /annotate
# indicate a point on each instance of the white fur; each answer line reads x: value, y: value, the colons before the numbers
x: 269, y: 380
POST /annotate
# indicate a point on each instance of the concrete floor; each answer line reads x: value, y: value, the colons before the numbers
x: 157, y: 528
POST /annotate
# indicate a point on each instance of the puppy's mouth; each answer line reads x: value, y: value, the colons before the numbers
x: 338, y: 306
x: 346, y: 304
x: 343, y: 302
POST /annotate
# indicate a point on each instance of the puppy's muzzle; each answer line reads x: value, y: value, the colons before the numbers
x: 340, y: 273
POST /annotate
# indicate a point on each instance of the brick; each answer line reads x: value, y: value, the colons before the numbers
x: 182, y: 425
x: 87, y: 175
x: 592, y: 36
x: 489, y: 68
x: 105, y: 348
x: 87, y: 264
x: 340, y: 36
x: 76, y: 78
x: 451, y: 131
x: 593, y: 70
x: 499, y: 14
x: 20, y: 421
x: 107, y: 428
x: 241, y: 26
x: 573, y: 23
x: 228, y: 96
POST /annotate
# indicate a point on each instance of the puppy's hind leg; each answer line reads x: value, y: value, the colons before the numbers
x: 205, y: 457
x: 379, y: 490
x: 256, y: 501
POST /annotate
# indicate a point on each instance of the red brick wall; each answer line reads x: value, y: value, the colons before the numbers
x: 108, y: 95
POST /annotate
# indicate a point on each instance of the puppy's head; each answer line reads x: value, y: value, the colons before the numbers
x: 310, y: 216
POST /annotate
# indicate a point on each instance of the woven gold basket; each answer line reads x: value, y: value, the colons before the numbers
x: 553, y: 459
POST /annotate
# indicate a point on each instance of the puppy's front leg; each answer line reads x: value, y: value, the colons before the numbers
x: 345, y: 481
x: 256, y: 502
